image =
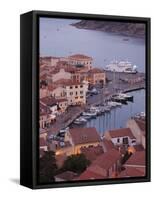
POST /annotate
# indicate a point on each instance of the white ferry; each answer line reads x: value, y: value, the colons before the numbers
x: 122, y: 66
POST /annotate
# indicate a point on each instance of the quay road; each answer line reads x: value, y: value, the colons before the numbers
x: 113, y: 86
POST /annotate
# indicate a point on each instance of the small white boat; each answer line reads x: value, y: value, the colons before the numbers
x: 125, y: 96
x: 112, y: 103
x: 142, y: 114
x: 80, y: 120
x: 91, y: 114
x: 107, y: 108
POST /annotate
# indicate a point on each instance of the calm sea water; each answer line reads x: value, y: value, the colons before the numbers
x: 59, y: 38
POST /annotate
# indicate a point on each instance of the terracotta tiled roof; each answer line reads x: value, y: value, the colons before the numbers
x: 122, y: 132
x: 131, y: 172
x: 89, y: 175
x: 137, y: 158
x: 92, y: 152
x: 107, y: 159
x: 80, y: 57
x: 42, y: 142
x: 84, y: 135
x: 66, y: 82
x: 107, y: 144
x: 52, y: 87
x: 49, y: 101
x: 61, y: 100
x: 96, y: 70
x: 68, y: 175
x: 138, y: 147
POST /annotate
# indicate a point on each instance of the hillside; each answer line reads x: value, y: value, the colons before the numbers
x: 126, y: 29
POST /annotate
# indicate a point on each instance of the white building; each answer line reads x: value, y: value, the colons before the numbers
x: 122, y: 136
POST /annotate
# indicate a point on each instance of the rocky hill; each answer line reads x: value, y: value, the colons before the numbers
x: 126, y: 29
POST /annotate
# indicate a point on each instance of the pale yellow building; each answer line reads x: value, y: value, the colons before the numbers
x: 96, y: 76
x: 76, y: 93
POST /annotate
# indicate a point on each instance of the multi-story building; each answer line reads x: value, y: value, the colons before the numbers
x: 96, y: 76
x: 76, y: 92
x: 80, y: 60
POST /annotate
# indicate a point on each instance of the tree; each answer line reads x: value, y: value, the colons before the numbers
x: 76, y: 163
x: 47, y: 167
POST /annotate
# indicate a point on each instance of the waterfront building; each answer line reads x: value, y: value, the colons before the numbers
x: 137, y: 127
x: 122, y: 136
x: 76, y: 92
x: 96, y: 76
x: 80, y: 60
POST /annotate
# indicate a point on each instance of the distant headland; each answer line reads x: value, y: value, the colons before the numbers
x: 122, y: 28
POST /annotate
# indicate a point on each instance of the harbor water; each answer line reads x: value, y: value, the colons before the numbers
x: 117, y: 117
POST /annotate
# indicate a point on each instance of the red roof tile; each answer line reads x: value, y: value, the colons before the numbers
x: 131, y: 172
x: 68, y: 175
x: 107, y: 159
x: 96, y: 70
x: 92, y: 152
x: 122, y: 132
x: 107, y: 144
x: 42, y: 142
x: 137, y: 158
x: 48, y: 101
x: 80, y: 57
x: 84, y: 135
x: 87, y: 175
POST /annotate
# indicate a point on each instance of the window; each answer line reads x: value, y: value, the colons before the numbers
x: 118, y: 140
x: 81, y: 86
x: 76, y: 86
x: 81, y: 92
x: 71, y: 87
x: 71, y: 93
x: 125, y: 140
x: 81, y: 97
x: 76, y: 97
x: 76, y: 93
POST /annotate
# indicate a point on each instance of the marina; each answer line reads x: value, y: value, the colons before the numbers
x: 117, y: 116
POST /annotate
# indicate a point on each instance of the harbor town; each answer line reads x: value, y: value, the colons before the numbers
x: 91, y: 125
